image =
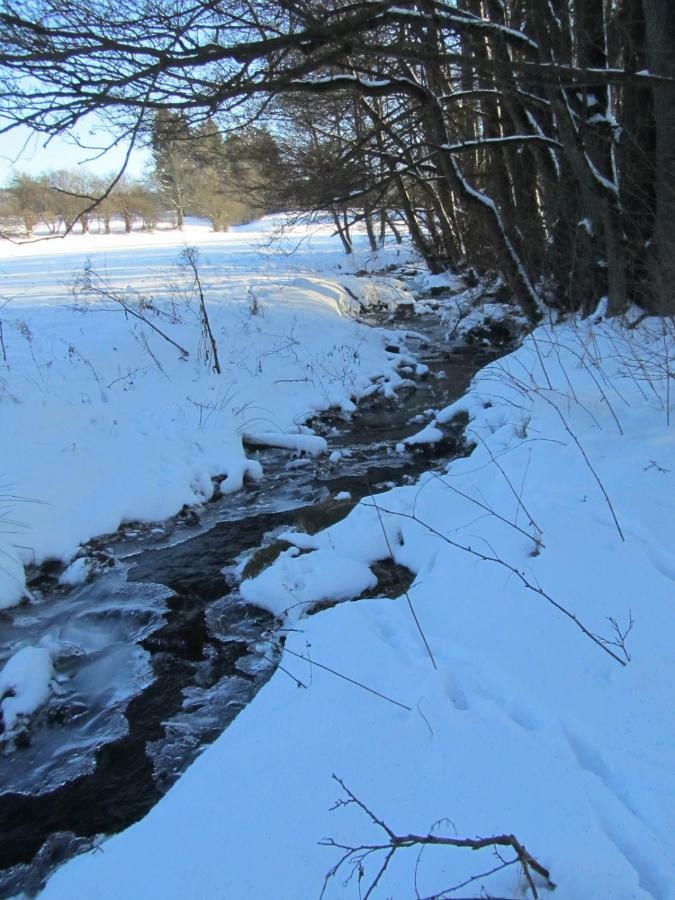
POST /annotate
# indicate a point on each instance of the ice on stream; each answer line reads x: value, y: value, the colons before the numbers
x: 91, y: 636
x: 210, y: 706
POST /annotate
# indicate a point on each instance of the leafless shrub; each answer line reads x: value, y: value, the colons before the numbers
x: 190, y: 258
x: 90, y: 284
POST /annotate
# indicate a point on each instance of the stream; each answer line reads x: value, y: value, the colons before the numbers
x: 158, y: 653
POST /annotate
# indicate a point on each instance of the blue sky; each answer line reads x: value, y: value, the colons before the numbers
x: 23, y: 151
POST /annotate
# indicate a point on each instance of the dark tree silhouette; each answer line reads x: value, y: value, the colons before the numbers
x: 538, y: 138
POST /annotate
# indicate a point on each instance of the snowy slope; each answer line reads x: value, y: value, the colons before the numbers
x: 560, y: 520
x: 103, y: 420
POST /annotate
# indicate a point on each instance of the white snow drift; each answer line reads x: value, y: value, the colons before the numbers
x: 544, y: 567
x: 560, y: 520
x: 103, y: 419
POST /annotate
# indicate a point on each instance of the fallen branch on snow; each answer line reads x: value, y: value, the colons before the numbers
x: 354, y: 857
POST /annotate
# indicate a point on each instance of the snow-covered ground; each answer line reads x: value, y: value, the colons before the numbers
x: 103, y: 420
x: 523, y: 685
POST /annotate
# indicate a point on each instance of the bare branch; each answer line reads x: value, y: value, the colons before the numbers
x: 354, y: 857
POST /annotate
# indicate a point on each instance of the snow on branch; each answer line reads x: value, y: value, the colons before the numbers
x: 509, y: 139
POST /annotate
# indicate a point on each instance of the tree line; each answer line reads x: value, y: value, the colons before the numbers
x: 54, y: 200
x: 198, y: 169
x: 537, y: 138
x: 194, y: 170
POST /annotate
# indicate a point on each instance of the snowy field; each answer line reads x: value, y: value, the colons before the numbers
x: 106, y: 417
x: 529, y: 695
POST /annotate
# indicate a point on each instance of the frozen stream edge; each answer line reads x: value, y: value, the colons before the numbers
x: 209, y: 705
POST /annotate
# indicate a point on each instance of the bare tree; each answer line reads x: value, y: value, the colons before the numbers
x: 499, y: 129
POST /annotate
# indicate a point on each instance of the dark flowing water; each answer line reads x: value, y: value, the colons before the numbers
x: 158, y: 654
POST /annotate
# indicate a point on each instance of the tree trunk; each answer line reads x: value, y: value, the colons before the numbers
x: 392, y: 227
x: 372, y: 240
x: 383, y: 228
x: 636, y: 154
x: 343, y: 233
x: 660, y: 28
x: 434, y: 265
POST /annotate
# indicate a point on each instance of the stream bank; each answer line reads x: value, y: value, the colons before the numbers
x: 165, y: 652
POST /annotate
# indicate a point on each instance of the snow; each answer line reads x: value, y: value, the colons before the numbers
x: 298, y: 582
x: 599, y: 177
x: 104, y: 421
x: 76, y: 573
x: 337, y: 455
x: 428, y: 435
x: 12, y: 575
x: 531, y: 118
x: 24, y: 684
x: 525, y: 726
x: 507, y: 139
x: 311, y: 444
x: 329, y: 79
x: 542, y: 563
x: 466, y: 18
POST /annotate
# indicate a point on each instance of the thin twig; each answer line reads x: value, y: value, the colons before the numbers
x: 588, y: 462
x: 515, y: 493
x: 488, y: 509
x: 191, y: 256
x: 406, y: 594
x: 517, y: 572
x: 360, y: 684
x: 92, y: 283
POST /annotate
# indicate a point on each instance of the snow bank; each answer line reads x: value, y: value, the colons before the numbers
x: 472, y: 315
x: 296, y: 583
x: 527, y: 726
x: 311, y: 444
x: 107, y: 418
x: 24, y: 684
x: 12, y: 575
x: 430, y: 434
